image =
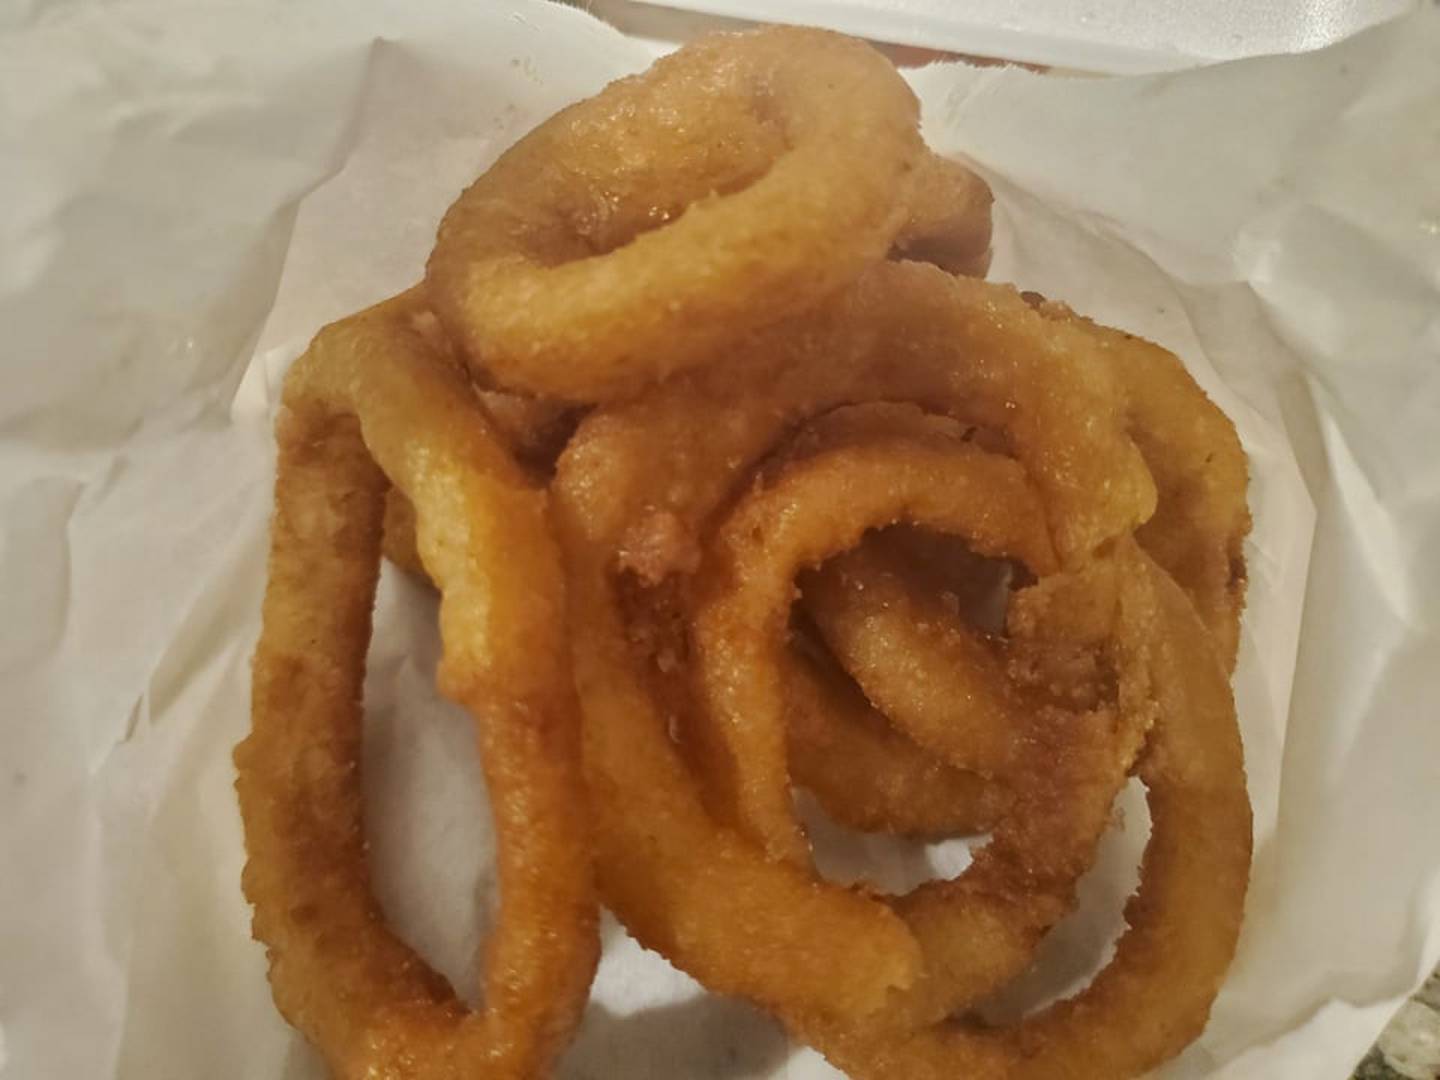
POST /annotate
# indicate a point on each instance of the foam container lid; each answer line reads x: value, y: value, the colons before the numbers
x: 1121, y: 36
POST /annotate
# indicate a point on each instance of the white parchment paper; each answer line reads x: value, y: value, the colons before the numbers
x: 188, y: 190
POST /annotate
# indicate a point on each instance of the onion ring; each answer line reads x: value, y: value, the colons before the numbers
x: 369, y: 404
x: 733, y: 184
x: 1063, y: 767
x: 739, y: 626
x: 1154, y: 996
x: 1201, y: 519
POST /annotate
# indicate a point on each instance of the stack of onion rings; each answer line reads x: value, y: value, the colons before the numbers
x: 703, y: 420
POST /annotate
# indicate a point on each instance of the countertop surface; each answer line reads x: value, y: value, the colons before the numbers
x: 1409, y: 1049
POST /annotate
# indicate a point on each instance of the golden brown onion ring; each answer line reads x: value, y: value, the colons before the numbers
x: 817, y: 508
x: 634, y: 234
x: 368, y: 405
x: 1062, y: 767
x: 1154, y: 996
x: 1201, y: 518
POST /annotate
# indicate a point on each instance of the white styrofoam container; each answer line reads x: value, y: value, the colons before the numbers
x: 1118, y: 36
